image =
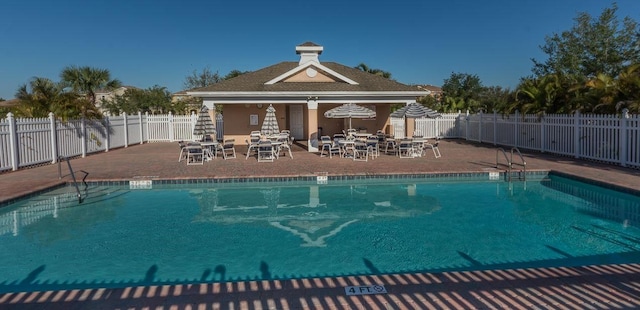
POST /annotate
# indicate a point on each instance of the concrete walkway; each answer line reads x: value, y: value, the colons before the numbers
x: 589, y: 287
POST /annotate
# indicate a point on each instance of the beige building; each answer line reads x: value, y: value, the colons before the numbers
x: 103, y: 95
x: 301, y: 92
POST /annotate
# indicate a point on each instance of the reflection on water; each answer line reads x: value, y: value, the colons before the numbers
x: 595, y: 201
x: 98, y: 206
x: 312, y: 213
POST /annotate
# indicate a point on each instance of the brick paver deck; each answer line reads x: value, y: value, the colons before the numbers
x: 589, y: 287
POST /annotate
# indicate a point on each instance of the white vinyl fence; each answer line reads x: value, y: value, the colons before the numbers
x: 31, y: 141
x: 606, y: 138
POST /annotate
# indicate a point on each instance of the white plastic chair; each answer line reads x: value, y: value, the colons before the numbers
x: 228, y: 149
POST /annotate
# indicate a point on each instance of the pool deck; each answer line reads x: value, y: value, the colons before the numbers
x: 588, y: 287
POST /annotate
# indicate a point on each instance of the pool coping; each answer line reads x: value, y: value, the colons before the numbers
x: 446, y: 176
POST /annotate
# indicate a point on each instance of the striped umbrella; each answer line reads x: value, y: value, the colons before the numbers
x: 415, y: 110
x: 204, y: 124
x: 270, y: 123
x: 350, y: 110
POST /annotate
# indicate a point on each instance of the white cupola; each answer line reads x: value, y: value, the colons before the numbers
x: 308, y: 51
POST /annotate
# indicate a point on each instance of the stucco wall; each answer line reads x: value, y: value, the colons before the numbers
x: 237, y: 117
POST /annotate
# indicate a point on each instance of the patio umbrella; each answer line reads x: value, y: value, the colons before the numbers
x: 204, y: 124
x: 350, y: 110
x: 270, y: 124
x: 415, y: 110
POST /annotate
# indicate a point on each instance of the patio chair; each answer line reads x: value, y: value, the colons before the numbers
x: 390, y: 145
x: 433, y: 147
x: 183, y: 153
x: 325, y: 145
x: 285, y: 144
x: 195, y: 154
x: 332, y: 147
x: 265, y: 151
x: 252, y: 146
x: 372, y: 142
x: 361, y: 152
x: 229, y: 149
x: 405, y: 148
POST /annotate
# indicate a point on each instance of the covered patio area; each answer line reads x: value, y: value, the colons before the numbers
x: 301, y: 92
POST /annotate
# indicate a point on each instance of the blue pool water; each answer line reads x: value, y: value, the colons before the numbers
x: 230, y: 232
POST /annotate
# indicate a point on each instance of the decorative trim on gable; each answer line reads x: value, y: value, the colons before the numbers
x: 316, y: 64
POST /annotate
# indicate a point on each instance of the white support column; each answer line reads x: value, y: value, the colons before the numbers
x: 312, y: 125
x: 53, y: 138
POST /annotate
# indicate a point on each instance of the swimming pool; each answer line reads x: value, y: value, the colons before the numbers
x: 189, y: 233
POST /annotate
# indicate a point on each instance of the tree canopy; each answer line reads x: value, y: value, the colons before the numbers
x: 201, y: 79
x: 154, y: 99
x: 378, y: 72
x: 602, y: 45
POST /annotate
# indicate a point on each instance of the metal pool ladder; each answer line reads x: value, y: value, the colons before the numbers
x: 522, y: 174
x: 75, y: 183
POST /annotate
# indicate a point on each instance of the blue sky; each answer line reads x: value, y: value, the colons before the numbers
x: 157, y: 42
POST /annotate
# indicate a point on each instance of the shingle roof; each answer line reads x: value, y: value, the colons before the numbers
x: 254, y: 81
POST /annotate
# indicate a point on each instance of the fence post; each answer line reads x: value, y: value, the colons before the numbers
x: 466, y: 127
x: 146, y: 124
x: 495, y: 127
x: 624, y: 124
x: 83, y: 136
x: 126, y: 129
x: 516, y: 130
x: 480, y: 127
x: 53, y: 138
x: 171, y: 137
x: 576, y: 134
x: 107, y: 128
x: 543, y: 132
x: 140, y: 126
x: 13, y: 141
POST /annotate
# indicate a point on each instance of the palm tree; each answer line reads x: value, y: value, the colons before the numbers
x: 539, y: 95
x: 42, y: 96
x: 629, y: 87
x: 378, y: 72
x: 85, y: 81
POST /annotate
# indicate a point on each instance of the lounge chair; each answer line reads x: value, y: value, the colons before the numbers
x: 433, y: 147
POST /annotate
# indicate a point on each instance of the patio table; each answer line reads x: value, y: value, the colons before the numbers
x: 209, y: 149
